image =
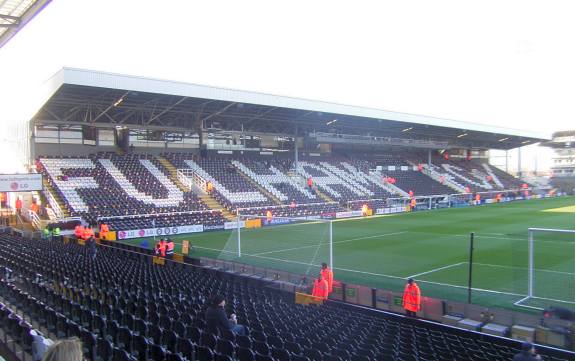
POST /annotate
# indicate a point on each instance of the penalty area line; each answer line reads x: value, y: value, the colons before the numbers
x: 436, y: 269
x: 325, y: 244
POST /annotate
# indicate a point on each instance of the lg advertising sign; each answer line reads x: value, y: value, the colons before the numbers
x: 20, y: 182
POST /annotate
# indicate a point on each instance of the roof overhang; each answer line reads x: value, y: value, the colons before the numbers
x: 14, y: 15
x: 77, y: 96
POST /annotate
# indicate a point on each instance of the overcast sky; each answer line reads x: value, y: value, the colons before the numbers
x: 505, y: 63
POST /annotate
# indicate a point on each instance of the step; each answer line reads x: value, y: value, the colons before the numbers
x: 322, y: 195
x: 173, y: 173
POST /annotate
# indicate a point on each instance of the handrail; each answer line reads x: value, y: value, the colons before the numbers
x: 129, y: 216
x: 53, y: 203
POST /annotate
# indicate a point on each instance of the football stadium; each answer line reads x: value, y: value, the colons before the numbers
x: 166, y: 220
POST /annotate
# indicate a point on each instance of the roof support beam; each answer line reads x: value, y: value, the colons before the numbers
x: 13, y: 21
x: 166, y: 110
x: 221, y: 111
x: 108, y: 108
x: 112, y: 126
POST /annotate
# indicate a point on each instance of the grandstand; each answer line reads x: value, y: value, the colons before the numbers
x: 167, y: 159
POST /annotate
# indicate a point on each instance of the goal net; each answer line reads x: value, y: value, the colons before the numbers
x: 295, y: 245
x: 551, y: 269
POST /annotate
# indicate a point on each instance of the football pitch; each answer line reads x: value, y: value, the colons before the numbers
x: 430, y: 246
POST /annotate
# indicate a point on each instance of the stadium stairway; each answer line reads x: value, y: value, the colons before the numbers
x: 322, y: 195
x: 49, y: 188
x: 212, y: 203
x: 319, y: 193
x: 431, y: 173
x: 173, y: 173
x: 260, y: 188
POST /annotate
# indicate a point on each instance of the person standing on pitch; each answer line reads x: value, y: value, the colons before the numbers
x: 411, y: 298
x: 327, y: 275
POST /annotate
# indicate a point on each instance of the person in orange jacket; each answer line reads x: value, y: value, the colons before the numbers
x: 157, y: 251
x: 320, y: 288
x: 34, y: 207
x: 18, y: 206
x: 411, y: 298
x: 88, y: 233
x: 327, y: 274
x: 162, y: 245
x: 79, y: 231
x: 104, y: 229
x: 170, y: 248
x: 413, y: 204
x: 477, y: 199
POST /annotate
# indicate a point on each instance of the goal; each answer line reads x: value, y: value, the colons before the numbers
x: 551, y: 269
x: 293, y: 244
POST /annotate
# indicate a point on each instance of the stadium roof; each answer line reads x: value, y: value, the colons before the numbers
x: 15, y: 14
x: 85, y: 97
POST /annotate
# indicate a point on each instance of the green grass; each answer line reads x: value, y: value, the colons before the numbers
x: 431, y: 246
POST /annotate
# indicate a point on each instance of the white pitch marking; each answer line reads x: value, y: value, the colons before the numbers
x: 342, y: 241
x: 372, y: 273
x: 436, y: 269
x: 525, y: 268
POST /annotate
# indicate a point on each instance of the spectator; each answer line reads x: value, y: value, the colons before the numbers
x: 527, y: 353
x: 92, y: 250
x: 40, y: 345
x: 216, y: 318
x: 65, y: 350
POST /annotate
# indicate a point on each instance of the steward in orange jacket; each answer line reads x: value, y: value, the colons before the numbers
x: 320, y: 288
x: 87, y: 233
x: 170, y: 248
x: 104, y: 229
x: 411, y: 298
x: 79, y: 231
x: 18, y: 205
x: 327, y: 274
x: 161, y: 248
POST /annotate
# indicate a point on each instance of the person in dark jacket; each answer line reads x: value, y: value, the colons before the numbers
x: 216, y: 318
x: 92, y: 249
x: 527, y: 353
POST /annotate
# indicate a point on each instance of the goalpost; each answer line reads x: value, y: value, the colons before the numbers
x: 293, y: 244
x: 551, y: 269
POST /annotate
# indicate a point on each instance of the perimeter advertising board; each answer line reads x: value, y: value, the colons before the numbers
x: 20, y: 182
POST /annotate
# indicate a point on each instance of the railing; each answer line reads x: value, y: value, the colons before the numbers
x: 284, y: 206
x: 53, y: 204
x: 189, y: 177
x: 34, y: 219
x: 130, y: 216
